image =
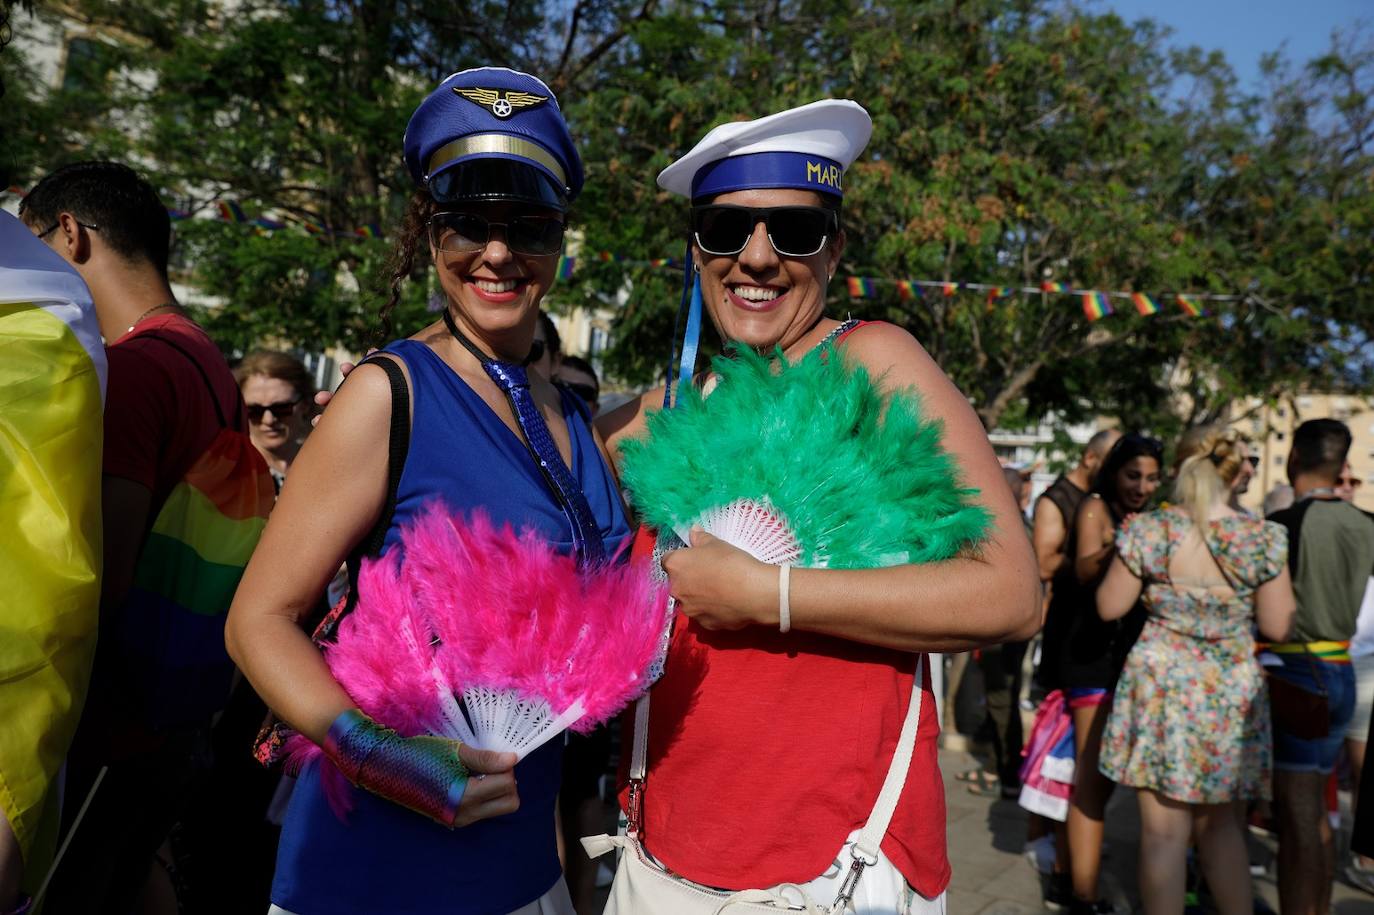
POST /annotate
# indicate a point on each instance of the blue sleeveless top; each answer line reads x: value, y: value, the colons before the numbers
x: 385, y: 858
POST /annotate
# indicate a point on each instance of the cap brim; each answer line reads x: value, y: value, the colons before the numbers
x: 497, y: 179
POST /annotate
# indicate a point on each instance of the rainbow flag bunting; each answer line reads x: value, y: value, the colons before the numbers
x: 313, y: 228
x: 230, y: 211
x: 607, y: 257
x: 369, y: 230
x: 949, y: 288
x: 860, y: 287
x: 1049, y: 286
x: 1144, y: 304
x: 907, y: 290
x: 1096, y: 305
x: 661, y: 262
x: 998, y: 292
x: 1191, y: 308
x: 270, y: 225
x: 566, y: 266
x: 177, y: 215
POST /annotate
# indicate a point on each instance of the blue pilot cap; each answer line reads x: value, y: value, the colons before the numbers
x: 493, y: 134
x: 807, y: 148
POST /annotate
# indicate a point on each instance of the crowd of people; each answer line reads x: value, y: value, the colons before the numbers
x: 178, y: 643
x: 1208, y: 657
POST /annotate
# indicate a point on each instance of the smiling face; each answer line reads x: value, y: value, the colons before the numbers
x: 495, y: 288
x: 274, y: 430
x: 759, y: 297
x: 1136, y: 482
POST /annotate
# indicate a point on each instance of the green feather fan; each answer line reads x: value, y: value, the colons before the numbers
x: 858, y: 477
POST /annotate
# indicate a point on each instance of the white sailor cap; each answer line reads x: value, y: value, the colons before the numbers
x: 807, y: 148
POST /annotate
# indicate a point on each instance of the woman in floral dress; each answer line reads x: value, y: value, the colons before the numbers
x: 1189, y: 725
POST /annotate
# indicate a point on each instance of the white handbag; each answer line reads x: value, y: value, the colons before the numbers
x: 643, y: 887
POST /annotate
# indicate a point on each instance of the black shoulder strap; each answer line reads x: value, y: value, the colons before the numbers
x: 214, y: 396
x: 398, y: 446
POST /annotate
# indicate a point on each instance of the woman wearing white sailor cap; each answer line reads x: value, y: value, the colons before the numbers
x: 495, y: 168
x: 785, y: 697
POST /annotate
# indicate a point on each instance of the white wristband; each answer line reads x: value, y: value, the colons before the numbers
x: 784, y: 597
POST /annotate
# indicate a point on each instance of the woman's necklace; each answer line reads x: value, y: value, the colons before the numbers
x: 150, y: 311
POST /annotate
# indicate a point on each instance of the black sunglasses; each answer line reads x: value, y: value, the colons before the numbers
x: 794, y: 231
x: 280, y: 410
x: 55, y: 226
x: 459, y: 232
x: 588, y: 393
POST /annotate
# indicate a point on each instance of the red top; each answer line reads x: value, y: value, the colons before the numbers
x: 767, y: 750
x: 158, y: 415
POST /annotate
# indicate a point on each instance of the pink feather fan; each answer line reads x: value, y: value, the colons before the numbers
x: 492, y: 638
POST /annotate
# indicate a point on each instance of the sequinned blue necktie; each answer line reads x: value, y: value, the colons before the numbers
x: 515, y: 384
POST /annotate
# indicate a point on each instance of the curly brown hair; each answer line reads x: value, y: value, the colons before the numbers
x: 408, y: 254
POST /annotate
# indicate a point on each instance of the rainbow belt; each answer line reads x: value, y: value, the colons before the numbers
x: 1331, y: 652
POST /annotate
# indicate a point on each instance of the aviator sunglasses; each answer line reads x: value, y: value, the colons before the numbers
x: 459, y: 232
x: 794, y: 231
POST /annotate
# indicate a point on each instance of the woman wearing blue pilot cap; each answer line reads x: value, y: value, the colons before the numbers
x: 441, y: 827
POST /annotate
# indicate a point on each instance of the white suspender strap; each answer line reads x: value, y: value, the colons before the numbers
x: 638, y: 759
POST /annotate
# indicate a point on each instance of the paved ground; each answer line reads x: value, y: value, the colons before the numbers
x: 992, y: 877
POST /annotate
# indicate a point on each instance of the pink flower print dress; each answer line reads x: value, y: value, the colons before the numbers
x: 1190, y: 718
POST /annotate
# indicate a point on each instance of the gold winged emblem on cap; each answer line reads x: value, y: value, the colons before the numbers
x: 500, y: 102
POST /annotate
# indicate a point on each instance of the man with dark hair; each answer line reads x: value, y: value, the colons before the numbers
x: 170, y: 398
x: 1052, y: 538
x: 1331, y: 556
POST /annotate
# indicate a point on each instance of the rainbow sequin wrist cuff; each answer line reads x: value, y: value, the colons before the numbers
x: 422, y: 773
x: 23, y: 908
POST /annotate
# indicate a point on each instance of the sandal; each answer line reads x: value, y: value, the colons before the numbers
x: 977, y: 777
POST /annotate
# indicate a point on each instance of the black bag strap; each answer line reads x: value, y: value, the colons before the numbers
x: 398, y: 446
x: 214, y: 395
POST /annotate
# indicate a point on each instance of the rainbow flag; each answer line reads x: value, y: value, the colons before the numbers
x: 270, y: 225
x: 566, y: 266
x: 369, y: 230
x: 998, y: 292
x: 171, y: 627
x: 1096, y: 305
x: 230, y: 211
x: 907, y: 290
x: 1049, y: 286
x: 1144, y: 304
x: 607, y: 256
x: 949, y: 288
x: 176, y: 215
x: 52, y: 384
x: 314, y: 228
x: 1190, y: 307
x: 661, y: 262
x: 860, y: 287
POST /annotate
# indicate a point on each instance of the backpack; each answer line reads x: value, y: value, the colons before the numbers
x: 171, y: 626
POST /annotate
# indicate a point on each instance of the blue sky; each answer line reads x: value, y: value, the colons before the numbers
x: 1246, y: 29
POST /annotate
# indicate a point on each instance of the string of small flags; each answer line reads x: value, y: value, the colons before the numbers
x: 1097, y: 303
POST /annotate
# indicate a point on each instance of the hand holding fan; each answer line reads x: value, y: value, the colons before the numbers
x: 493, y: 638
x: 806, y: 463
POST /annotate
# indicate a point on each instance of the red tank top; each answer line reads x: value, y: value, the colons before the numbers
x: 767, y: 750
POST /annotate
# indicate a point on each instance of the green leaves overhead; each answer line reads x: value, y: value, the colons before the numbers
x: 1015, y: 141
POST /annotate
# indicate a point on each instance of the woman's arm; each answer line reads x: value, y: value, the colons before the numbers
x: 626, y: 421
x: 1096, y: 540
x: 334, y: 496
x: 1275, y: 607
x: 960, y: 603
x: 1119, y: 591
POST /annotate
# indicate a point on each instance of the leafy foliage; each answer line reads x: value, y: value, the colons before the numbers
x: 1015, y: 141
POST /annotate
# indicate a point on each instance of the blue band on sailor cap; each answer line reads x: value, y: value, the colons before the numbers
x: 768, y: 170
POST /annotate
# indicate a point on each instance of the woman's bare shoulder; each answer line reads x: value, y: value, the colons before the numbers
x: 628, y: 420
